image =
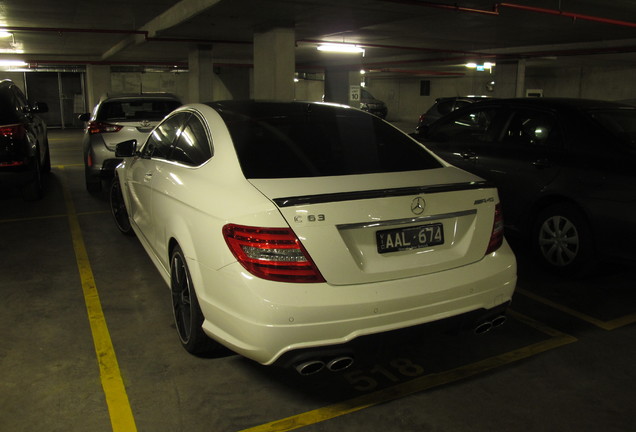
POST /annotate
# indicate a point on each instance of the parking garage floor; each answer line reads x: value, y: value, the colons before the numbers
x: 87, y: 344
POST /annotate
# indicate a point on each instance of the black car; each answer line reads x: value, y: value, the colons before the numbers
x: 565, y: 169
x: 24, y: 147
x: 443, y: 106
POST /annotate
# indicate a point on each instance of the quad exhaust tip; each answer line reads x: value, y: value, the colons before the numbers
x: 312, y: 367
x: 486, y: 326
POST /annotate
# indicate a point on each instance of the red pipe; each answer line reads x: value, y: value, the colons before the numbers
x: 497, y: 6
x: 572, y: 15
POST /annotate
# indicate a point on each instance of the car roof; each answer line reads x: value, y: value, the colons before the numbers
x: 558, y: 103
x: 136, y: 96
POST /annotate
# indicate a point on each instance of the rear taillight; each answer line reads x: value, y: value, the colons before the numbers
x: 271, y: 253
x: 96, y: 127
x: 17, y: 132
x: 497, y: 235
x: 13, y: 131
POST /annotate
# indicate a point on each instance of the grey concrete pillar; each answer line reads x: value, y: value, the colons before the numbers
x: 274, y: 64
x: 510, y: 79
x: 97, y: 83
x: 200, y: 75
x: 342, y: 86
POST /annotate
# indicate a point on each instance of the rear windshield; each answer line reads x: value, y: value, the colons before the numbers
x: 313, y: 140
x: 136, y: 110
x: 8, y: 112
x: 620, y: 122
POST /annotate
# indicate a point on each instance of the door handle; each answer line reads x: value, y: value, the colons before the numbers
x: 541, y: 164
x: 469, y: 155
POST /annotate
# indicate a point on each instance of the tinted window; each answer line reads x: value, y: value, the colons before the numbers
x: 162, y: 137
x: 8, y: 112
x: 620, y: 123
x: 192, y: 147
x: 475, y: 125
x: 135, y: 110
x: 532, y: 128
x: 310, y: 140
x: 445, y: 107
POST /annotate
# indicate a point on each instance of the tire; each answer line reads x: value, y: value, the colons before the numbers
x: 187, y: 313
x: 562, y: 240
x: 46, y: 168
x: 34, y: 189
x: 93, y: 183
x: 118, y: 208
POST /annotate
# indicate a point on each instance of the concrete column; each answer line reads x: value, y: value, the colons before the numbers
x: 274, y: 64
x: 342, y: 86
x: 510, y: 79
x: 200, y: 75
x: 97, y: 84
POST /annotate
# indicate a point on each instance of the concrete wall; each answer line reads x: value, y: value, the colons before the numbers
x: 584, y: 82
x: 403, y: 99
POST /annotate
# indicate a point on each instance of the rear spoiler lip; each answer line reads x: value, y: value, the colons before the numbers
x: 379, y: 193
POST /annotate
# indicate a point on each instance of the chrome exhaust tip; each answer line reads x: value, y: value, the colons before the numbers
x: 499, y: 321
x: 484, y: 327
x: 340, y: 363
x: 310, y: 367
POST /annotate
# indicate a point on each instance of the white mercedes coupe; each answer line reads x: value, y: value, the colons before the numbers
x: 287, y: 230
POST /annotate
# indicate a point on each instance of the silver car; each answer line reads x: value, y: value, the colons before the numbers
x: 115, y: 119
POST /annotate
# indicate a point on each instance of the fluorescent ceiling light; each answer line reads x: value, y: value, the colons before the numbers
x: 471, y: 65
x: 17, y: 63
x: 4, y: 34
x: 340, y: 48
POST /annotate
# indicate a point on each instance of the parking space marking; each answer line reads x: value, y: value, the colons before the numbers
x: 605, y: 325
x: 417, y: 385
x: 57, y: 216
x: 114, y: 390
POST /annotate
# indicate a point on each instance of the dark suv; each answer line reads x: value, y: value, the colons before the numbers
x: 443, y: 106
x: 564, y: 169
x: 24, y: 147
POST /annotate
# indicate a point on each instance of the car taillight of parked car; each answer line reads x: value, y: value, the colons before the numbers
x: 497, y: 235
x: 16, y: 131
x: 271, y: 253
x: 96, y: 127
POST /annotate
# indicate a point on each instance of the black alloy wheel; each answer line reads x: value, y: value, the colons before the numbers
x: 187, y: 313
x: 118, y: 208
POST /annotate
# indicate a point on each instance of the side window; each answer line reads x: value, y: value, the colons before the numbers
x: 162, y: 137
x: 445, y: 107
x: 474, y: 126
x: 192, y: 147
x: 20, y: 98
x: 531, y: 128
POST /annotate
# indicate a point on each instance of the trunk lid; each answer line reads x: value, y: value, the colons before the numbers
x: 377, y: 227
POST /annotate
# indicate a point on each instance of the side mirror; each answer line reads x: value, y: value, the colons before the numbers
x: 40, y: 107
x: 84, y: 117
x: 126, y: 148
x: 422, y: 131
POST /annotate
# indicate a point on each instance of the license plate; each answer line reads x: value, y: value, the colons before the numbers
x: 416, y: 237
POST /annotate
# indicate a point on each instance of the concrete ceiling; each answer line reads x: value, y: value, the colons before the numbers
x: 400, y: 36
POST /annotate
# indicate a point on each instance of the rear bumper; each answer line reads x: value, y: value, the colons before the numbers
x: 103, y: 161
x: 16, y: 177
x: 262, y: 320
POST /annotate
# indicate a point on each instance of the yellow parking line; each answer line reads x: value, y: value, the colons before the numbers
x: 121, y: 417
x: 35, y: 218
x: 420, y: 384
x: 605, y: 325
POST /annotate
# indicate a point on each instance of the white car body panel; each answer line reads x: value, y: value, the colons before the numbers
x: 364, y: 293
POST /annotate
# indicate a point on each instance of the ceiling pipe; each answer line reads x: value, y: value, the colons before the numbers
x: 497, y: 6
x: 572, y: 15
